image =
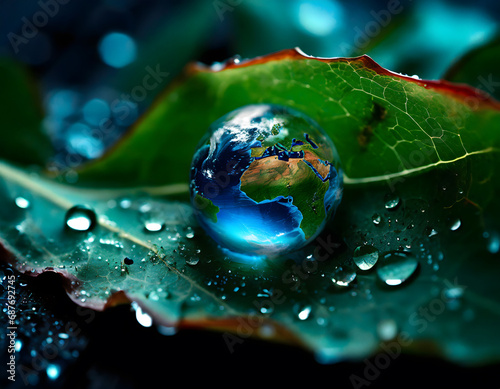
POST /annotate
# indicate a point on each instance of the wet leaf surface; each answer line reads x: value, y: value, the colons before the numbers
x: 423, y: 201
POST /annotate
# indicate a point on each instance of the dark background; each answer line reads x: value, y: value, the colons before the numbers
x: 79, y: 79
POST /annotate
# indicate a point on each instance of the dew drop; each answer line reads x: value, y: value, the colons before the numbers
x: 396, y: 267
x: 192, y: 261
x: 365, y: 257
x: 456, y: 225
x: 189, y: 233
x: 80, y: 218
x: 153, y: 223
x: 303, y: 311
x: 376, y: 219
x: 143, y: 318
x: 391, y: 201
x: 343, y: 276
x: 22, y: 202
x: 430, y: 232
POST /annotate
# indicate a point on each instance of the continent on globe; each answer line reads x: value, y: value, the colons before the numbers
x: 264, y: 180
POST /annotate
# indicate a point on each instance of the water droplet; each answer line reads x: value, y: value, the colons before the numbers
x: 53, y: 371
x: 456, y: 225
x: 493, y: 242
x: 430, y: 232
x: 303, y: 311
x: 125, y: 203
x: 387, y: 329
x: 365, y: 257
x: 391, y: 201
x: 153, y: 223
x: 343, y: 276
x: 81, y: 218
x: 192, y: 261
x: 22, y: 202
x: 143, y: 318
x: 189, y: 233
x: 376, y: 219
x: 396, y: 267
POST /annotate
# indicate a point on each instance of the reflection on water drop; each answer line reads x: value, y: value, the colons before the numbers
x: 343, y: 276
x: 189, y: 233
x: 142, y: 318
x: 430, y: 232
x: 21, y: 202
x: 391, y: 201
x: 153, y: 222
x: 365, y: 257
x: 456, y: 225
x: 396, y: 267
x: 303, y: 311
x: 192, y: 261
x: 376, y: 219
x: 81, y: 218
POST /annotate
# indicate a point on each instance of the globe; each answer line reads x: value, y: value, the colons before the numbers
x: 264, y: 180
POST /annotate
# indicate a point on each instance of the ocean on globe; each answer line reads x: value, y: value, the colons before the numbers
x: 264, y: 180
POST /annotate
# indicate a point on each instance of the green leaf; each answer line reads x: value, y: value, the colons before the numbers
x: 20, y: 117
x: 432, y: 147
x: 384, y: 125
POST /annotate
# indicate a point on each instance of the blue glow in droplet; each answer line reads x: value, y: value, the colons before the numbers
x: 18, y: 345
x: 117, y: 49
x: 96, y: 111
x: 250, y: 177
x: 319, y: 17
x: 53, y: 371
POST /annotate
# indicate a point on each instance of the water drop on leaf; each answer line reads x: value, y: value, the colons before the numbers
x: 80, y: 218
x: 22, y: 202
x: 456, y: 225
x: 391, y: 201
x: 303, y: 311
x: 365, y: 257
x: 396, y: 267
x: 343, y: 276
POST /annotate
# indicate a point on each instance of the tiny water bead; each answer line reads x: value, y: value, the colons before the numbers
x: 396, y: 267
x: 391, y: 201
x: 365, y: 257
x: 81, y: 218
x: 22, y: 202
x: 343, y: 276
x: 264, y: 180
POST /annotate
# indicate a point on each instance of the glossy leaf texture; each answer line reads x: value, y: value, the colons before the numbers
x: 421, y: 161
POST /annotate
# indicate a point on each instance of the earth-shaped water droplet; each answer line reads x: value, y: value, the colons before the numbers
x: 365, y: 257
x: 396, y: 267
x: 81, y: 218
x: 343, y: 276
x: 391, y: 201
x: 264, y: 180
